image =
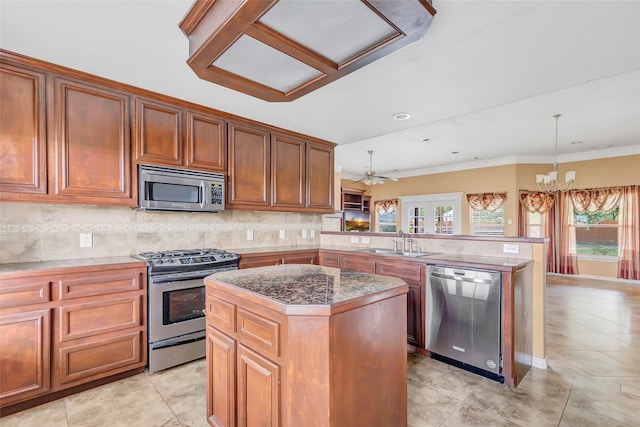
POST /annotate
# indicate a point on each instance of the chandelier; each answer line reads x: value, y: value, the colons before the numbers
x: 549, y: 182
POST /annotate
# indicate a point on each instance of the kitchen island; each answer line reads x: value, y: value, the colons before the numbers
x: 305, y: 345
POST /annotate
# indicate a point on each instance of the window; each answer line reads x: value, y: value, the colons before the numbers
x: 386, y: 215
x: 597, y: 233
x: 535, y: 224
x: 486, y: 223
x: 432, y: 213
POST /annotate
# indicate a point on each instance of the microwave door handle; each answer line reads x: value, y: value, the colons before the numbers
x: 204, y: 195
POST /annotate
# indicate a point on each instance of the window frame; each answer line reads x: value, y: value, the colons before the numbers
x: 587, y: 257
x: 472, y: 224
x: 430, y: 202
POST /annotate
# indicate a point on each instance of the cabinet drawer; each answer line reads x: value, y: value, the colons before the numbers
x: 405, y: 271
x: 17, y: 292
x: 93, y: 318
x: 97, y: 358
x: 258, y: 332
x: 101, y: 283
x: 221, y: 314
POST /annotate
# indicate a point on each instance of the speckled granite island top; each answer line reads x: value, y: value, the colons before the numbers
x: 306, y: 285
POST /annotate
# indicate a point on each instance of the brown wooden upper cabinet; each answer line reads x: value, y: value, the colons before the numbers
x: 169, y: 135
x: 75, y: 150
x: 23, y: 133
x: 278, y: 171
x: 287, y: 172
x: 319, y: 181
x: 90, y: 147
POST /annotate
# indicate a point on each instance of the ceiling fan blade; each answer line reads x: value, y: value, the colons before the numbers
x: 361, y: 179
x: 388, y: 178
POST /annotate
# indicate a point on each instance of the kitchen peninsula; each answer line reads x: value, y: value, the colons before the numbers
x: 296, y: 345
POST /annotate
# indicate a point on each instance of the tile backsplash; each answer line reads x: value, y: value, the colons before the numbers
x: 44, y: 232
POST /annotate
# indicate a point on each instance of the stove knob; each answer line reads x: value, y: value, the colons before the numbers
x: 159, y: 261
x: 170, y: 260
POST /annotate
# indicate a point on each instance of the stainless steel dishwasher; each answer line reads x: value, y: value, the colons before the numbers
x: 463, y: 318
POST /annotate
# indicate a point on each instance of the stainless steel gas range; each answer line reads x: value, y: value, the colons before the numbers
x: 176, y: 302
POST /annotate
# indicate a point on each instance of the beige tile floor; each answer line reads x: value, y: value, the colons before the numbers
x: 593, y: 379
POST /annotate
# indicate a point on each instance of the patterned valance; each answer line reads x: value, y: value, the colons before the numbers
x: 536, y: 201
x: 486, y: 201
x: 596, y: 199
x: 386, y: 206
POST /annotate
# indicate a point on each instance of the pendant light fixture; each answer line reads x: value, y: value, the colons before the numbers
x: 549, y: 182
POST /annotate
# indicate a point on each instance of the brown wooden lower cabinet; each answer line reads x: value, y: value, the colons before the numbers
x: 68, y: 327
x: 413, y: 273
x: 265, y: 259
x: 25, y: 342
x: 312, y: 367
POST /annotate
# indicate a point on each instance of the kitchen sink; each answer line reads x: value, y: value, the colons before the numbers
x: 383, y: 251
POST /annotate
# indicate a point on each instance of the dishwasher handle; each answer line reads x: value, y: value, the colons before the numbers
x: 460, y: 277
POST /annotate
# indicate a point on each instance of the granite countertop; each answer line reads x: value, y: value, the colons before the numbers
x: 67, y: 263
x: 293, y: 284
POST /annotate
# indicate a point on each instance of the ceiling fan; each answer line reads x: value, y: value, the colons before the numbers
x: 370, y: 177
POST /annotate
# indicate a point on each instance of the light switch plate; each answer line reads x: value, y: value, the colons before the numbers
x: 86, y: 240
x: 304, y: 233
x: 365, y: 240
x: 282, y: 234
x: 249, y: 234
x: 354, y: 239
x: 312, y: 233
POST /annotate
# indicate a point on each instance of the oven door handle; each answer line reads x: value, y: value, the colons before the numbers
x: 182, y: 339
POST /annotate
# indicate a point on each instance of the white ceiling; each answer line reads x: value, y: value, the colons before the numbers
x: 485, y: 81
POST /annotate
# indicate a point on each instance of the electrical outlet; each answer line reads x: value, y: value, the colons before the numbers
x: 354, y: 239
x: 365, y: 240
x: 86, y: 240
x: 510, y: 249
x: 249, y: 234
x: 282, y: 235
x: 304, y: 233
x: 312, y: 233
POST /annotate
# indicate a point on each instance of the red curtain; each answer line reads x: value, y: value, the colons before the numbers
x: 629, y: 234
x: 486, y: 201
x: 565, y: 260
x: 536, y: 201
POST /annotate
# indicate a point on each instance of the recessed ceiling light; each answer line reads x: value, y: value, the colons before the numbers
x: 401, y: 116
x: 599, y: 147
x: 576, y: 142
x: 425, y: 140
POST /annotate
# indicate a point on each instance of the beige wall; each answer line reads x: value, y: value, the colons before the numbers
x: 511, y: 178
x: 44, y: 232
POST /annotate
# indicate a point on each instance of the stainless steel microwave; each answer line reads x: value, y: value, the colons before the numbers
x: 172, y: 189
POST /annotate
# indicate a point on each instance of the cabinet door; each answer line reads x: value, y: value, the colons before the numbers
x: 414, y: 275
x: 258, y: 390
x: 360, y: 264
x: 252, y: 261
x: 319, y: 179
x: 158, y: 130
x: 221, y: 379
x: 25, y: 359
x: 22, y: 132
x: 414, y: 319
x: 249, y: 167
x: 90, y: 146
x: 329, y: 260
x: 206, y: 142
x: 287, y: 172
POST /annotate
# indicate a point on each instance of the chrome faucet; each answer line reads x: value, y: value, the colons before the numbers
x: 404, y: 244
x: 410, y: 241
